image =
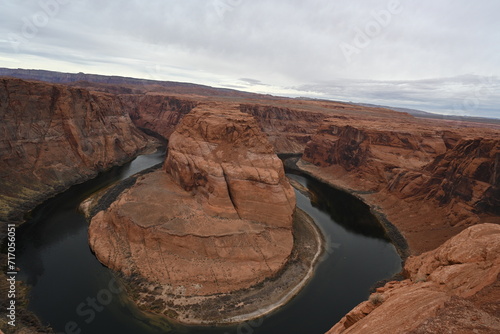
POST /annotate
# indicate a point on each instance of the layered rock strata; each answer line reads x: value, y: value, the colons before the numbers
x: 52, y: 136
x: 215, y: 221
x: 156, y: 112
x: 225, y: 159
x: 429, y: 182
x: 452, y: 289
x: 287, y: 129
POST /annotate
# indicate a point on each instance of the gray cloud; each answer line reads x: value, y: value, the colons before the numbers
x: 253, y: 82
x: 426, y: 54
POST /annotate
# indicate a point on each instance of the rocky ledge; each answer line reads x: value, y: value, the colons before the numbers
x: 212, y: 237
x: 452, y: 289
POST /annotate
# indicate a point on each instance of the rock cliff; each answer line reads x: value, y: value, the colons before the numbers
x: 429, y: 181
x: 452, y: 289
x: 288, y: 129
x: 52, y: 136
x: 373, y: 150
x: 215, y: 220
x: 156, y: 112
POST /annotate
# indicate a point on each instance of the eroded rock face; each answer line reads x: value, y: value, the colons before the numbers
x: 443, y: 292
x: 52, y: 136
x: 224, y: 158
x: 373, y: 150
x: 469, y: 173
x: 156, y: 112
x: 287, y: 129
x: 430, y: 183
x: 217, y: 219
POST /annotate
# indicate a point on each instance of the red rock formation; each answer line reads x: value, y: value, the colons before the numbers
x: 470, y: 174
x: 157, y: 113
x: 219, y: 221
x: 224, y: 158
x: 288, y: 130
x: 429, y: 182
x: 443, y: 292
x: 53, y: 136
x: 373, y: 150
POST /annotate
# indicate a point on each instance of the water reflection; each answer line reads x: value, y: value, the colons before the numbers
x: 343, y: 208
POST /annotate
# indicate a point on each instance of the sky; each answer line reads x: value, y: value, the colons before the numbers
x: 437, y: 56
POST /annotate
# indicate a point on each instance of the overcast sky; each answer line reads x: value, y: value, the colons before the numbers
x: 435, y: 55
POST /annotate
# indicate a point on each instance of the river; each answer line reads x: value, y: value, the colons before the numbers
x: 55, y: 259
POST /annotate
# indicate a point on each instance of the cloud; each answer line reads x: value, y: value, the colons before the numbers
x: 426, y: 54
x: 460, y: 95
x: 252, y: 82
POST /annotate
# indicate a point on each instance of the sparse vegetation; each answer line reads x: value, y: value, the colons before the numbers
x: 376, y: 298
x: 420, y: 278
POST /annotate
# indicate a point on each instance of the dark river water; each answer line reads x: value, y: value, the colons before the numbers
x: 66, y: 278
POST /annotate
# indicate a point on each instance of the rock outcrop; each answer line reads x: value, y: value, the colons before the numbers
x: 468, y: 174
x: 215, y: 220
x: 429, y: 182
x: 452, y: 289
x: 288, y: 130
x: 53, y: 136
x: 224, y: 158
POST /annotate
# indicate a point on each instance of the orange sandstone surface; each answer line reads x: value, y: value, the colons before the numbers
x: 53, y: 136
x: 452, y: 289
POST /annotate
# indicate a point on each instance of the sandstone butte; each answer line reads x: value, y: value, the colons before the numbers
x: 216, y: 220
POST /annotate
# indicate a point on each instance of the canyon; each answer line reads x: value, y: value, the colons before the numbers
x: 214, y: 224
x: 434, y: 181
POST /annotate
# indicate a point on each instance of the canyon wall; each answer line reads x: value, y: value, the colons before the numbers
x: 288, y: 130
x: 52, y: 137
x: 155, y: 112
x: 429, y: 181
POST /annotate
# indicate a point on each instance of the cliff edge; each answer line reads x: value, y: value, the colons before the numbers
x: 452, y: 289
x: 430, y: 182
x: 53, y: 136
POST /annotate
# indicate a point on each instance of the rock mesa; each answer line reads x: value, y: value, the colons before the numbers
x: 216, y: 219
